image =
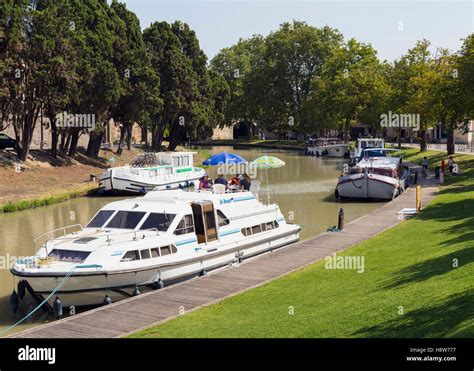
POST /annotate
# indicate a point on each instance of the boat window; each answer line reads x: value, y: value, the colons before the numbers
x: 272, y: 225
x: 210, y: 220
x: 155, y: 253
x: 71, y: 256
x: 185, y: 226
x: 259, y: 228
x: 175, y: 161
x: 153, y: 173
x: 130, y: 256
x: 100, y: 219
x: 160, y: 221
x: 256, y: 229
x: 246, y: 231
x: 185, y: 161
x: 165, y: 250
x: 145, y: 254
x: 223, y: 220
x: 126, y: 219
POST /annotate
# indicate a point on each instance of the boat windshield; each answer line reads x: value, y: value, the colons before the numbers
x: 373, y: 153
x: 160, y: 221
x: 100, y: 219
x: 126, y: 219
x: 371, y: 144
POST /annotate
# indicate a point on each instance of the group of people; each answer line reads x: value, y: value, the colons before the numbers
x: 236, y: 183
x: 452, y: 166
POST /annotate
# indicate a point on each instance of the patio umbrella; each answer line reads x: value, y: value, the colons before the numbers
x: 225, y: 158
x: 267, y: 162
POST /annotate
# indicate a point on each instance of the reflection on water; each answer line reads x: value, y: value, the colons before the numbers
x: 304, y: 190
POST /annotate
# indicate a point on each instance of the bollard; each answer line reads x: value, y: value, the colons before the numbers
x: 441, y: 174
x: 418, y: 198
x: 340, y: 220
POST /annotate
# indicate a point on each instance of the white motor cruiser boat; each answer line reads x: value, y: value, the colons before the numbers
x: 366, y: 143
x: 377, y: 175
x: 330, y: 147
x: 153, y: 240
x: 168, y: 170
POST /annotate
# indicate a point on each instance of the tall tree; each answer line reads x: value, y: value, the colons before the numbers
x: 141, y: 84
x: 352, y: 89
x: 185, y: 85
x: 411, y: 87
x: 294, y: 56
x: 236, y: 64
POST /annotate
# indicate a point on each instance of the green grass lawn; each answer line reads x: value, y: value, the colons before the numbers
x: 418, y: 282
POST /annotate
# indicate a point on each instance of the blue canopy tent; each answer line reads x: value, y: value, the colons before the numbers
x: 225, y: 158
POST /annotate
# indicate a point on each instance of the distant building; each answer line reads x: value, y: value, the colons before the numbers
x: 226, y: 132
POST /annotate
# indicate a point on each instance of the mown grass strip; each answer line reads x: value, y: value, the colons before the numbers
x: 47, y: 200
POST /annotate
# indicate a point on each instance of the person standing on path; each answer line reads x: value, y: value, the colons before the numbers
x: 451, y: 165
x: 425, y: 166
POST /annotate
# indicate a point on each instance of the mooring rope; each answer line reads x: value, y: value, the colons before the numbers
x: 59, y: 286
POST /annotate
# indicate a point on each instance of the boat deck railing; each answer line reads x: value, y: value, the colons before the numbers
x: 109, y: 240
x: 53, y: 231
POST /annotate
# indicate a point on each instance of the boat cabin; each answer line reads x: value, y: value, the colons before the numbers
x: 176, y: 159
x: 321, y: 142
x: 366, y: 143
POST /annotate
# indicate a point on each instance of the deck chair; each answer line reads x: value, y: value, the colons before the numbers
x: 218, y: 188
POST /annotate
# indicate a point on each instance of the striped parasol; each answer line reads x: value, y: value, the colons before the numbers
x: 267, y: 162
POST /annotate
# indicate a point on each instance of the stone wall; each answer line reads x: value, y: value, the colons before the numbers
x: 43, y: 131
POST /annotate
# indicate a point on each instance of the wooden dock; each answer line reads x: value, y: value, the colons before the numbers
x: 133, y: 314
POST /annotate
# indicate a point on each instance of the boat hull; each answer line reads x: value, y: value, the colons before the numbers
x: 90, y: 289
x: 112, y: 182
x: 339, y: 150
x: 368, y: 186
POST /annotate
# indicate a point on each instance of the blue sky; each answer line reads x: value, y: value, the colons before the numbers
x: 392, y: 27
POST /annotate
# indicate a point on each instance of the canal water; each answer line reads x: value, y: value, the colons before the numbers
x: 303, y: 188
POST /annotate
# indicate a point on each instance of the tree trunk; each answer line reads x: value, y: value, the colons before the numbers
x: 144, y: 138
x: 157, y: 135
x: 17, y: 136
x: 68, y: 140
x: 73, y: 142
x: 422, y: 134
x: 399, y: 138
x: 122, y: 137
x: 93, y: 147
x: 62, y: 143
x: 25, y: 143
x: 54, y: 138
x: 28, y: 129
x: 175, y: 136
x: 450, y: 138
x: 129, y: 136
